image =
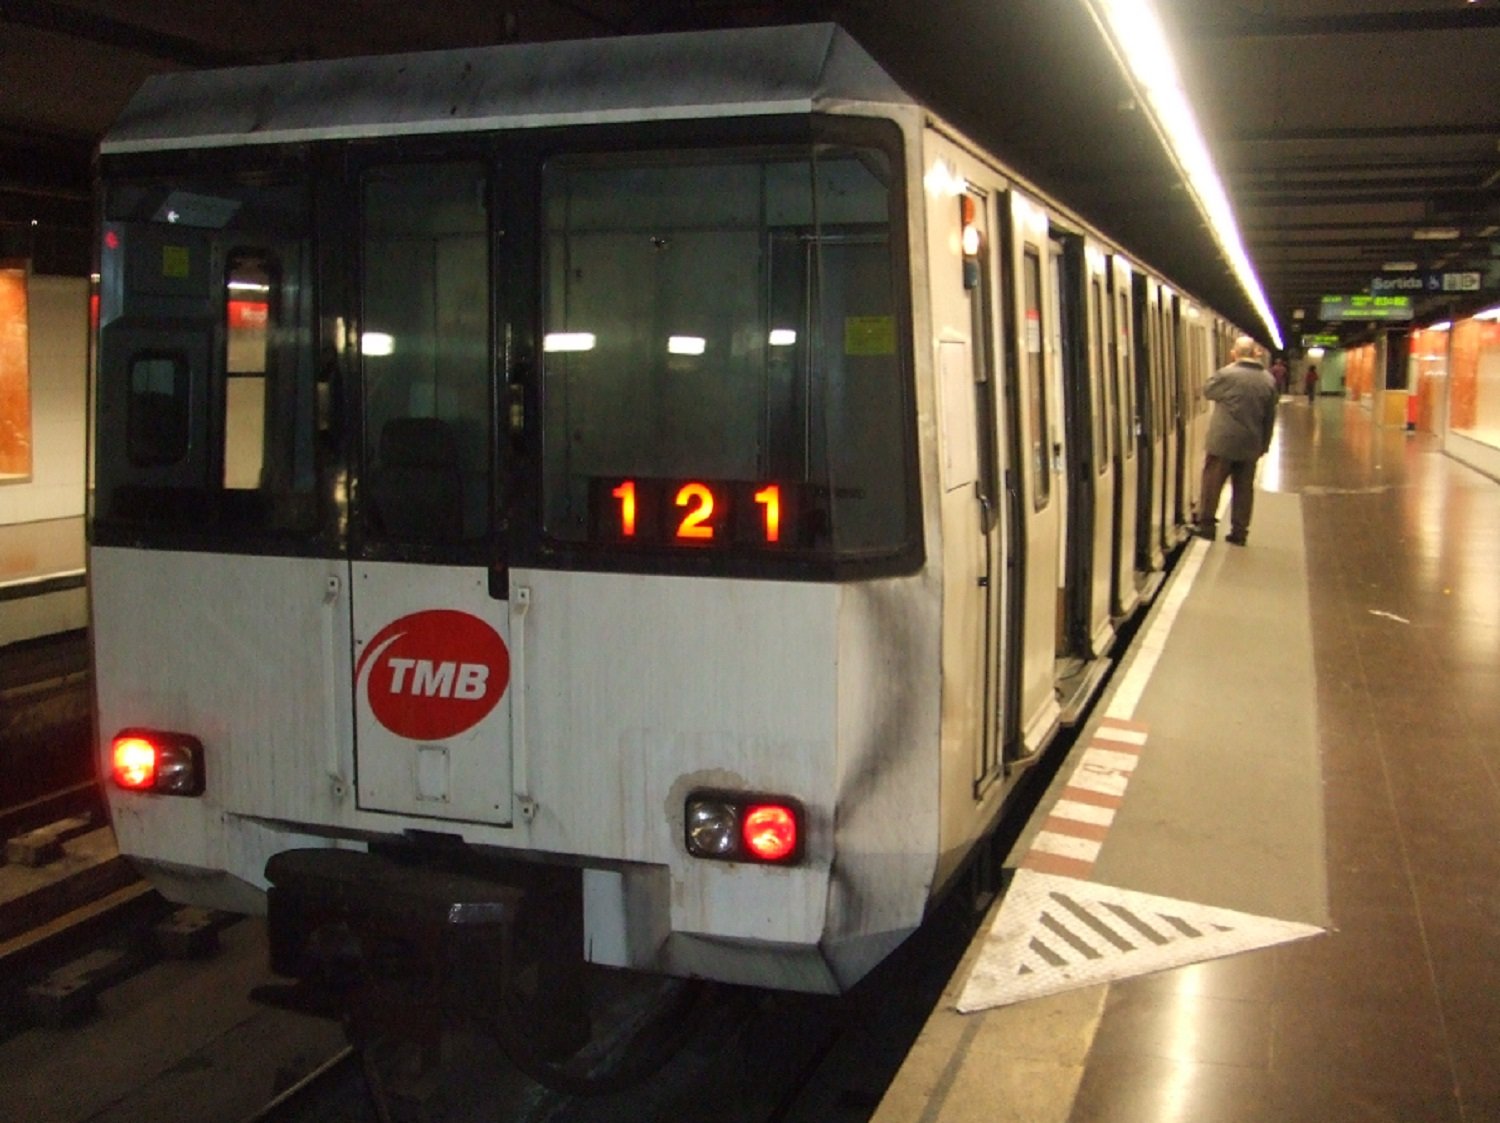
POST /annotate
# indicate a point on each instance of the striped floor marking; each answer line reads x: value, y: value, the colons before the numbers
x: 1069, y: 840
x: 1055, y: 933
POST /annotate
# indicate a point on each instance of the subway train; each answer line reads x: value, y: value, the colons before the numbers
x: 643, y: 499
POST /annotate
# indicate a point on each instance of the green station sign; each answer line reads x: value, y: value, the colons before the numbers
x: 1363, y: 306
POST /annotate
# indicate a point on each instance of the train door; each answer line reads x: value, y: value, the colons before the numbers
x: 1064, y: 392
x: 1077, y: 668
x: 1124, y: 589
x: 1101, y: 460
x: 431, y: 645
x: 1041, y: 460
x: 1153, y: 465
x: 974, y: 440
x: 1171, y: 416
x: 1196, y: 343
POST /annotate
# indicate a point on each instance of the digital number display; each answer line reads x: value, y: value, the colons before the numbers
x: 697, y: 513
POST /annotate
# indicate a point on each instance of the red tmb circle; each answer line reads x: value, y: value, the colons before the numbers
x: 434, y: 674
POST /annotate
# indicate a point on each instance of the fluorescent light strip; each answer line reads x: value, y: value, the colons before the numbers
x: 1136, y: 32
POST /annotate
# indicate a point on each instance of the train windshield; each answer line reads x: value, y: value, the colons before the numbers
x: 721, y: 366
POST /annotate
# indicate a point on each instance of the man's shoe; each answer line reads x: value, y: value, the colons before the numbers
x: 1200, y: 532
x: 1235, y: 539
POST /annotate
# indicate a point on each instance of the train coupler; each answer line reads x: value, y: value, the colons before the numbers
x: 406, y: 947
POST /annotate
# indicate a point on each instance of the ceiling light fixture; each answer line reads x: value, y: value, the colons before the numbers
x: 1134, y: 31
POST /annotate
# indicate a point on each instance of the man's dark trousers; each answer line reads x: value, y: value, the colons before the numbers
x: 1241, y: 474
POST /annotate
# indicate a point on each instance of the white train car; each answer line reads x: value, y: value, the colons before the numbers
x: 667, y: 485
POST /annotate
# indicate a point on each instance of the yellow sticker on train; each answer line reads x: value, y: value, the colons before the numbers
x: 869, y: 335
x: 175, y: 261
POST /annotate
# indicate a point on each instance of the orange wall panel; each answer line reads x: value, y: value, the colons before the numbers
x: 15, y: 376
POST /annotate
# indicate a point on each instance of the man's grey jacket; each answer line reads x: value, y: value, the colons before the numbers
x: 1245, y: 398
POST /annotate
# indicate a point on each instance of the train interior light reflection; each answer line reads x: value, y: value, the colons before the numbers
x: 783, y: 337
x: 557, y: 341
x: 376, y: 343
x: 686, y: 345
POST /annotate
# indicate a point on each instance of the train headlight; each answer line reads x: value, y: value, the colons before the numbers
x: 145, y: 760
x: 737, y: 827
x: 712, y: 828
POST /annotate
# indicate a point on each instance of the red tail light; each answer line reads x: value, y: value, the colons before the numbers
x: 770, y: 832
x: 134, y: 763
x: 735, y: 827
x: 145, y: 760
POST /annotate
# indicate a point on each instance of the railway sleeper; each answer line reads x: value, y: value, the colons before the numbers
x: 69, y: 993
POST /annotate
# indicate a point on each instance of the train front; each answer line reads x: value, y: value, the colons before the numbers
x: 522, y: 533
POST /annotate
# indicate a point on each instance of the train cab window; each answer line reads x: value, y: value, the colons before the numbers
x: 1036, y: 370
x: 721, y: 365
x: 206, y: 375
x: 424, y: 352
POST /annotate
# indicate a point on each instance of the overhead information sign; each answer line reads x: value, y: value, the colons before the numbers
x: 1417, y: 283
x: 1320, y: 341
x: 1363, y: 306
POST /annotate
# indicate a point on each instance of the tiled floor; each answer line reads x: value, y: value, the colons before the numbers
x: 1396, y: 1014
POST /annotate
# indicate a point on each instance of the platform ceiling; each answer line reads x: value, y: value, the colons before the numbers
x: 1340, y: 127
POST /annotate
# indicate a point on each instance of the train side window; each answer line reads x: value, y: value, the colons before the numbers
x: 1036, y: 368
x: 1101, y: 381
x: 247, y: 314
x: 1130, y: 412
x: 156, y: 427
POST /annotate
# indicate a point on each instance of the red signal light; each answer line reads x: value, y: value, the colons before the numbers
x: 770, y: 832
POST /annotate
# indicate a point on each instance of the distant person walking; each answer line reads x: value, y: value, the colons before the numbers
x: 1310, y: 383
x: 1279, y: 373
x: 1239, y: 433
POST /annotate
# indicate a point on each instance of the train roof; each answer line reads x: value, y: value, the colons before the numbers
x: 772, y: 70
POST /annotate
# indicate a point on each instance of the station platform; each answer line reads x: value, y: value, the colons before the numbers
x: 1265, y: 885
x: 42, y: 579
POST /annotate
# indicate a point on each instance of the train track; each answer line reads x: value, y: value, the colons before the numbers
x: 118, y: 1006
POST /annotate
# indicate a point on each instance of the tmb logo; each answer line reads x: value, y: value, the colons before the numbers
x: 433, y: 675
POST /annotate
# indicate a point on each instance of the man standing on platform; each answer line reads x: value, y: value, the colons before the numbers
x: 1239, y: 433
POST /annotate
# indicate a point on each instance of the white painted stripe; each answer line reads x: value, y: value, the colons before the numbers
x: 1103, y: 781
x: 1066, y: 846
x: 1117, y: 733
x: 1128, y: 695
x: 1110, y: 760
x: 1083, y: 812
